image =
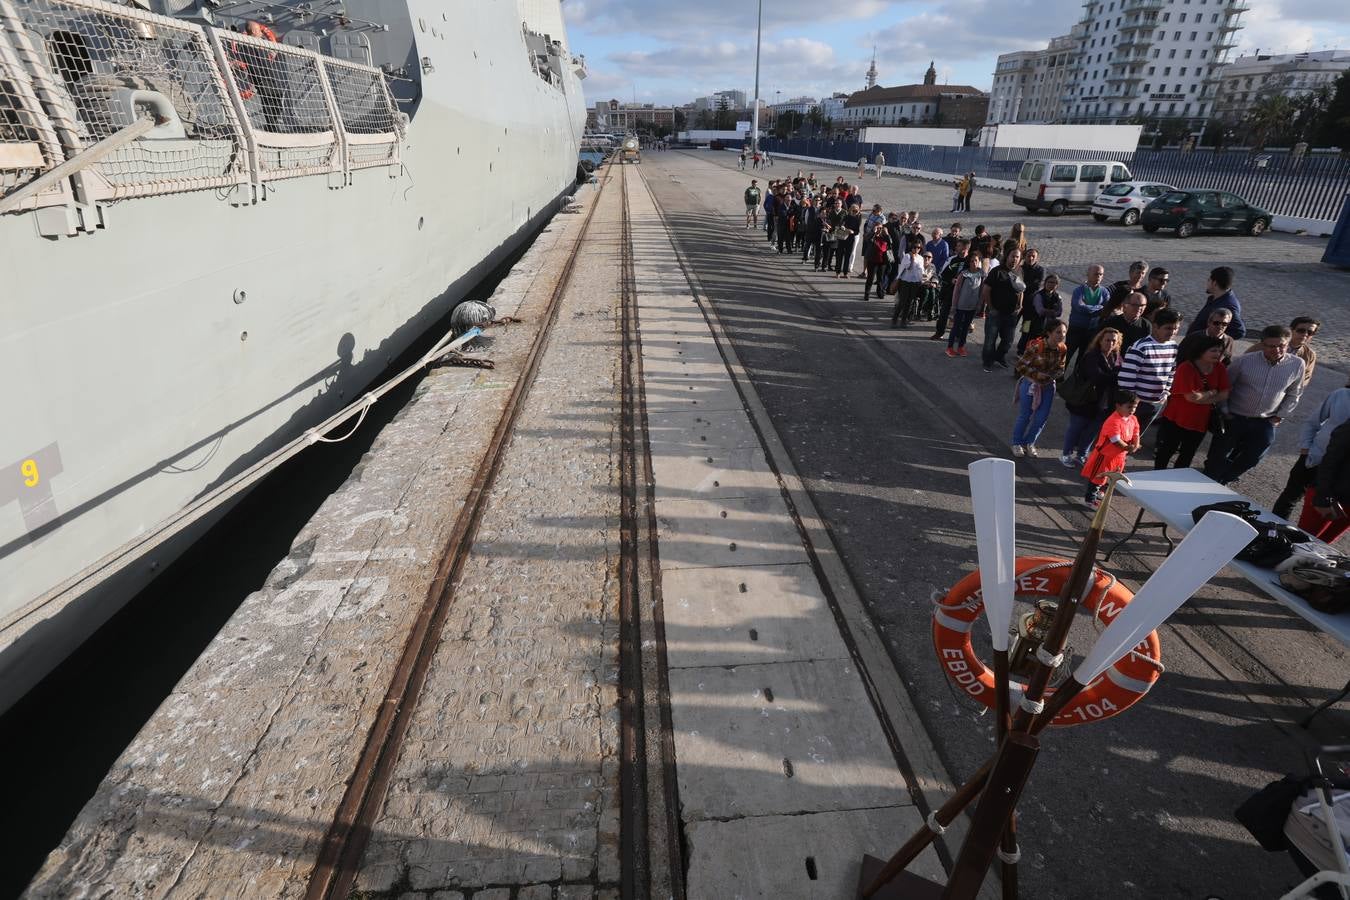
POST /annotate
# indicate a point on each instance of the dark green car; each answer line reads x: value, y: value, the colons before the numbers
x: 1189, y: 212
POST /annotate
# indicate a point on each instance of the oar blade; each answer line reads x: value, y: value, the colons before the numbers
x: 1209, y: 547
x: 992, y: 495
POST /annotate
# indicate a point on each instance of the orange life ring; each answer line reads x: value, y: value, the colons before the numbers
x: 1119, y: 687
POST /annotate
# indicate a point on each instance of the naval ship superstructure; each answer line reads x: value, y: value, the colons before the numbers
x: 219, y: 222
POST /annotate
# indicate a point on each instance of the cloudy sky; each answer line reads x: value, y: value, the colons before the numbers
x: 671, y: 51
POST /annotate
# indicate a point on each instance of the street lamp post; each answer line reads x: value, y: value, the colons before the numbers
x: 754, y: 116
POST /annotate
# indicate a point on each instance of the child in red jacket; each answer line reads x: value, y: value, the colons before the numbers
x: 1119, y: 437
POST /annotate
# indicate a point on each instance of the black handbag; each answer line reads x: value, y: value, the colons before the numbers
x: 1076, y: 390
x: 1274, y: 541
x: 1218, y: 423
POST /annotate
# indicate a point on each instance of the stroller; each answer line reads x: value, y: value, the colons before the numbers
x: 1308, y: 816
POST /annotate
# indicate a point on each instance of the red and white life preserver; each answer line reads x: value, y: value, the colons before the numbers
x: 1119, y: 687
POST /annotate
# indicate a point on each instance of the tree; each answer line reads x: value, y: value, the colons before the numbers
x: 788, y: 123
x: 725, y: 119
x: 681, y: 120
x: 1334, y: 125
x: 1269, y: 118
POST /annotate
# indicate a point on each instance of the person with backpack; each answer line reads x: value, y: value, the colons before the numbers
x: 1087, y: 394
x: 965, y: 300
x: 947, y: 284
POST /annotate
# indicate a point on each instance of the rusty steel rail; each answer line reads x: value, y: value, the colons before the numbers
x: 339, y: 857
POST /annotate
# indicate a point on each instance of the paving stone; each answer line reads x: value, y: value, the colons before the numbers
x: 815, y: 746
x: 767, y: 856
x: 535, y: 892
x: 737, y: 531
x: 447, y: 895
x: 575, y: 892
x: 737, y: 615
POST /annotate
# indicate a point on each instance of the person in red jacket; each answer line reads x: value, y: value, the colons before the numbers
x: 1200, y: 383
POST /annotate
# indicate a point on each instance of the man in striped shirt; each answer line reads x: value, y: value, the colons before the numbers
x: 1149, y: 364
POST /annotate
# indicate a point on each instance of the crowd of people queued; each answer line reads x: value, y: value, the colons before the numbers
x: 1121, y: 356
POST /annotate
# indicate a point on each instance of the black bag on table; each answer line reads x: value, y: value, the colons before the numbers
x: 1274, y: 541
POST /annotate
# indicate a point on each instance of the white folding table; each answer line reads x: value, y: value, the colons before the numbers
x: 1171, y: 494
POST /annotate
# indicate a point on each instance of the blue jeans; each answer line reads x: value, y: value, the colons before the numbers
x: 1243, y: 444
x: 961, y: 319
x: 999, y: 329
x: 1082, y: 431
x: 1030, y: 422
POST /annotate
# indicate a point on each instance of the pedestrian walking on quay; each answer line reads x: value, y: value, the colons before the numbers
x: 740, y: 164
x: 1199, y: 385
x: 752, y: 196
x: 1088, y: 395
x: 958, y: 192
x: 1219, y: 291
x: 1002, y: 294
x: 1118, y: 438
x: 862, y: 166
x: 880, y: 163
x: 969, y: 193
x: 1265, y: 387
x: 1148, y: 365
x: 1037, y: 370
x: 965, y: 301
x: 1085, y: 305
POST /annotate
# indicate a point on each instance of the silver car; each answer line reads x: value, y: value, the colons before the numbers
x: 1125, y: 202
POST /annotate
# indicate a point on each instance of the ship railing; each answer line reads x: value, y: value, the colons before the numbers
x: 282, y: 98
x: 97, y: 68
x: 229, y: 109
x: 372, y: 124
x: 29, y: 144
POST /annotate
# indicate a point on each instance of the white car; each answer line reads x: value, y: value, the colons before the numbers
x: 1125, y: 202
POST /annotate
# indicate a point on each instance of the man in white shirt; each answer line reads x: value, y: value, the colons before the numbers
x: 1265, y: 387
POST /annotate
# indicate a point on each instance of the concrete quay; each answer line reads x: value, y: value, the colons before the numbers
x: 781, y: 742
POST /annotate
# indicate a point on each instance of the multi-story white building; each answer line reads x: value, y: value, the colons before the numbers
x: 734, y: 100
x: 832, y: 107
x: 1248, y: 79
x: 801, y: 105
x: 1155, y: 59
x: 913, y: 104
x: 1029, y: 84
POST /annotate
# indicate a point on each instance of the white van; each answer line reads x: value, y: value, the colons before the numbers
x: 1060, y: 185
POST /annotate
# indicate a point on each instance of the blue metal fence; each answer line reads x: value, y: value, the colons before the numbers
x: 1311, y: 186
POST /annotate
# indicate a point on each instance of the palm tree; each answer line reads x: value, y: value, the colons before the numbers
x: 1270, y: 116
